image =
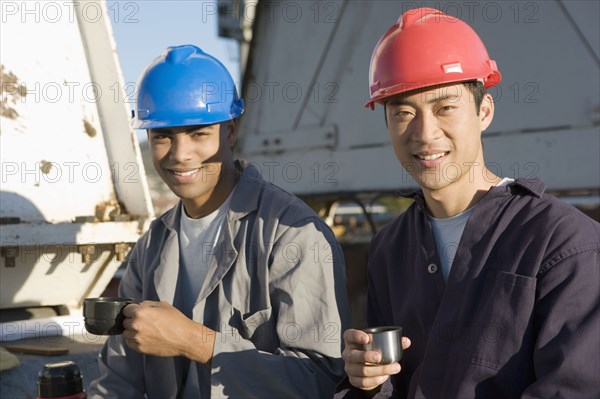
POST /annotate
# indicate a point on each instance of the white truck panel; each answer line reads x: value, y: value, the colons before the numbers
x: 547, y: 52
x: 376, y: 169
x: 54, y: 149
x: 74, y: 197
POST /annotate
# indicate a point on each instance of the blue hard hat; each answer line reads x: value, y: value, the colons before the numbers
x: 185, y: 86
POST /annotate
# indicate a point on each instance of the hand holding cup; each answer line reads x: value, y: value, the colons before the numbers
x: 364, y: 356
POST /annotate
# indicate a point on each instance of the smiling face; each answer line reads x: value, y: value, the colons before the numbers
x: 196, y: 162
x: 436, y: 135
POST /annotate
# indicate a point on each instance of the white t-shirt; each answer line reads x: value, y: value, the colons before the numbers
x: 448, y: 233
x: 197, y: 240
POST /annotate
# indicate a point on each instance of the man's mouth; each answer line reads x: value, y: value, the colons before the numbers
x: 184, y: 176
x: 431, y: 157
x: 182, y: 173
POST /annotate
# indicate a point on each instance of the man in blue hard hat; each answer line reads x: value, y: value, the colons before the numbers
x: 230, y: 301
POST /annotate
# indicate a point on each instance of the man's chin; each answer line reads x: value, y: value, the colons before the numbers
x: 185, y: 194
x: 433, y: 184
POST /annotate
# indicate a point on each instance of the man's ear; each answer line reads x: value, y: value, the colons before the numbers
x: 231, y: 131
x: 486, y: 111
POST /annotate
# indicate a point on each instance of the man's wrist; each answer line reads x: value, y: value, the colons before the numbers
x: 199, y: 344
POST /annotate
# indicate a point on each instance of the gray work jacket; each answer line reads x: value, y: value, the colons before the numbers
x: 275, y: 294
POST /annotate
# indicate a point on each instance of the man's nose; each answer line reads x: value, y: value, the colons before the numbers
x: 425, y: 128
x: 181, y: 150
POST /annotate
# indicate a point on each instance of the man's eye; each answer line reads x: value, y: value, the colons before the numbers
x: 446, y: 108
x: 402, y: 114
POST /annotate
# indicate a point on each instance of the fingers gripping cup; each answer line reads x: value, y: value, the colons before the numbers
x: 104, y: 315
x: 387, y: 341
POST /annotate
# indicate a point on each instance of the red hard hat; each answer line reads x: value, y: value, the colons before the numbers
x: 426, y: 48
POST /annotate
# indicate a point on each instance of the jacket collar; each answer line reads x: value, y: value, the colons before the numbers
x: 532, y: 186
x: 247, y: 190
x: 245, y: 198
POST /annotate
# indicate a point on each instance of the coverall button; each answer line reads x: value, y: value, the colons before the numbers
x: 432, y: 268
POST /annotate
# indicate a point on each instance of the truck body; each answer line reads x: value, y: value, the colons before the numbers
x: 74, y: 197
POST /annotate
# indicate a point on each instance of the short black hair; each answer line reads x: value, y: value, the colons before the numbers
x: 476, y: 88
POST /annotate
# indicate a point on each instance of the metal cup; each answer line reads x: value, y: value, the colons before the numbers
x: 386, y: 340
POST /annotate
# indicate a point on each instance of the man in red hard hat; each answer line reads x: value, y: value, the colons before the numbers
x: 495, y: 283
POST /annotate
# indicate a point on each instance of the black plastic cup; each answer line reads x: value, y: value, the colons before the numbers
x: 104, y: 315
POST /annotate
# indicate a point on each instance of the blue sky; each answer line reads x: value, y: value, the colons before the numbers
x: 144, y: 28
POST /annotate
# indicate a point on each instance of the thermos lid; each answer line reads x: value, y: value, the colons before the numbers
x: 59, y: 379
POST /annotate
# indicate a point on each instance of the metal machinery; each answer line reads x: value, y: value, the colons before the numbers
x: 73, y: 197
